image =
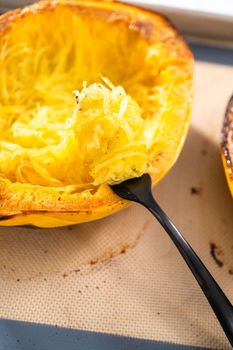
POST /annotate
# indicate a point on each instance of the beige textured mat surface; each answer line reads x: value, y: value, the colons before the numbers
x: 69, y: 277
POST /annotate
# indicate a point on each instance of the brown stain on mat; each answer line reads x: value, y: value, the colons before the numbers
x: 196, y: 190
x: 99, y: 262
x: 216, y: 254
x: 28, y: 254
x: 122, y: 249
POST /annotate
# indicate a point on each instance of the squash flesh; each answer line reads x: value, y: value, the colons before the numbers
x: 152, y: 64
x: 102, y: 142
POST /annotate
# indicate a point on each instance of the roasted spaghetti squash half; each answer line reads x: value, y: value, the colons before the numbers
x: 91, y: 93
x: 227, y: 144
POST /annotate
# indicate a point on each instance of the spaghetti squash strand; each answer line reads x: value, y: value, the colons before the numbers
x: 100, y: 141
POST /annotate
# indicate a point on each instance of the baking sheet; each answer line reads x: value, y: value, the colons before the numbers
x: 122, y: 275
x: 208, y: 21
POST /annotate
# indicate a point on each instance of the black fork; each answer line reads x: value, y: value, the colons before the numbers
x: 139, y: 190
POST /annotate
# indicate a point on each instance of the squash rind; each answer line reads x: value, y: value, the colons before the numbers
x: 227, y: 144
x: 46, y: 210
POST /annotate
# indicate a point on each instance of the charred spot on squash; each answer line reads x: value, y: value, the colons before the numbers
x: 145, y: 28
x: 6, y: 217
x: 227, y: 137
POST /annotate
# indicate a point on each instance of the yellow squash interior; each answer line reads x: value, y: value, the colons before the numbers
x: 46, y: 52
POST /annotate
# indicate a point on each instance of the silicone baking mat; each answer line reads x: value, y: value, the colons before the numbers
x: 119, y: 283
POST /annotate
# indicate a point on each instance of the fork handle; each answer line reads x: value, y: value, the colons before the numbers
x: 220, y: 304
